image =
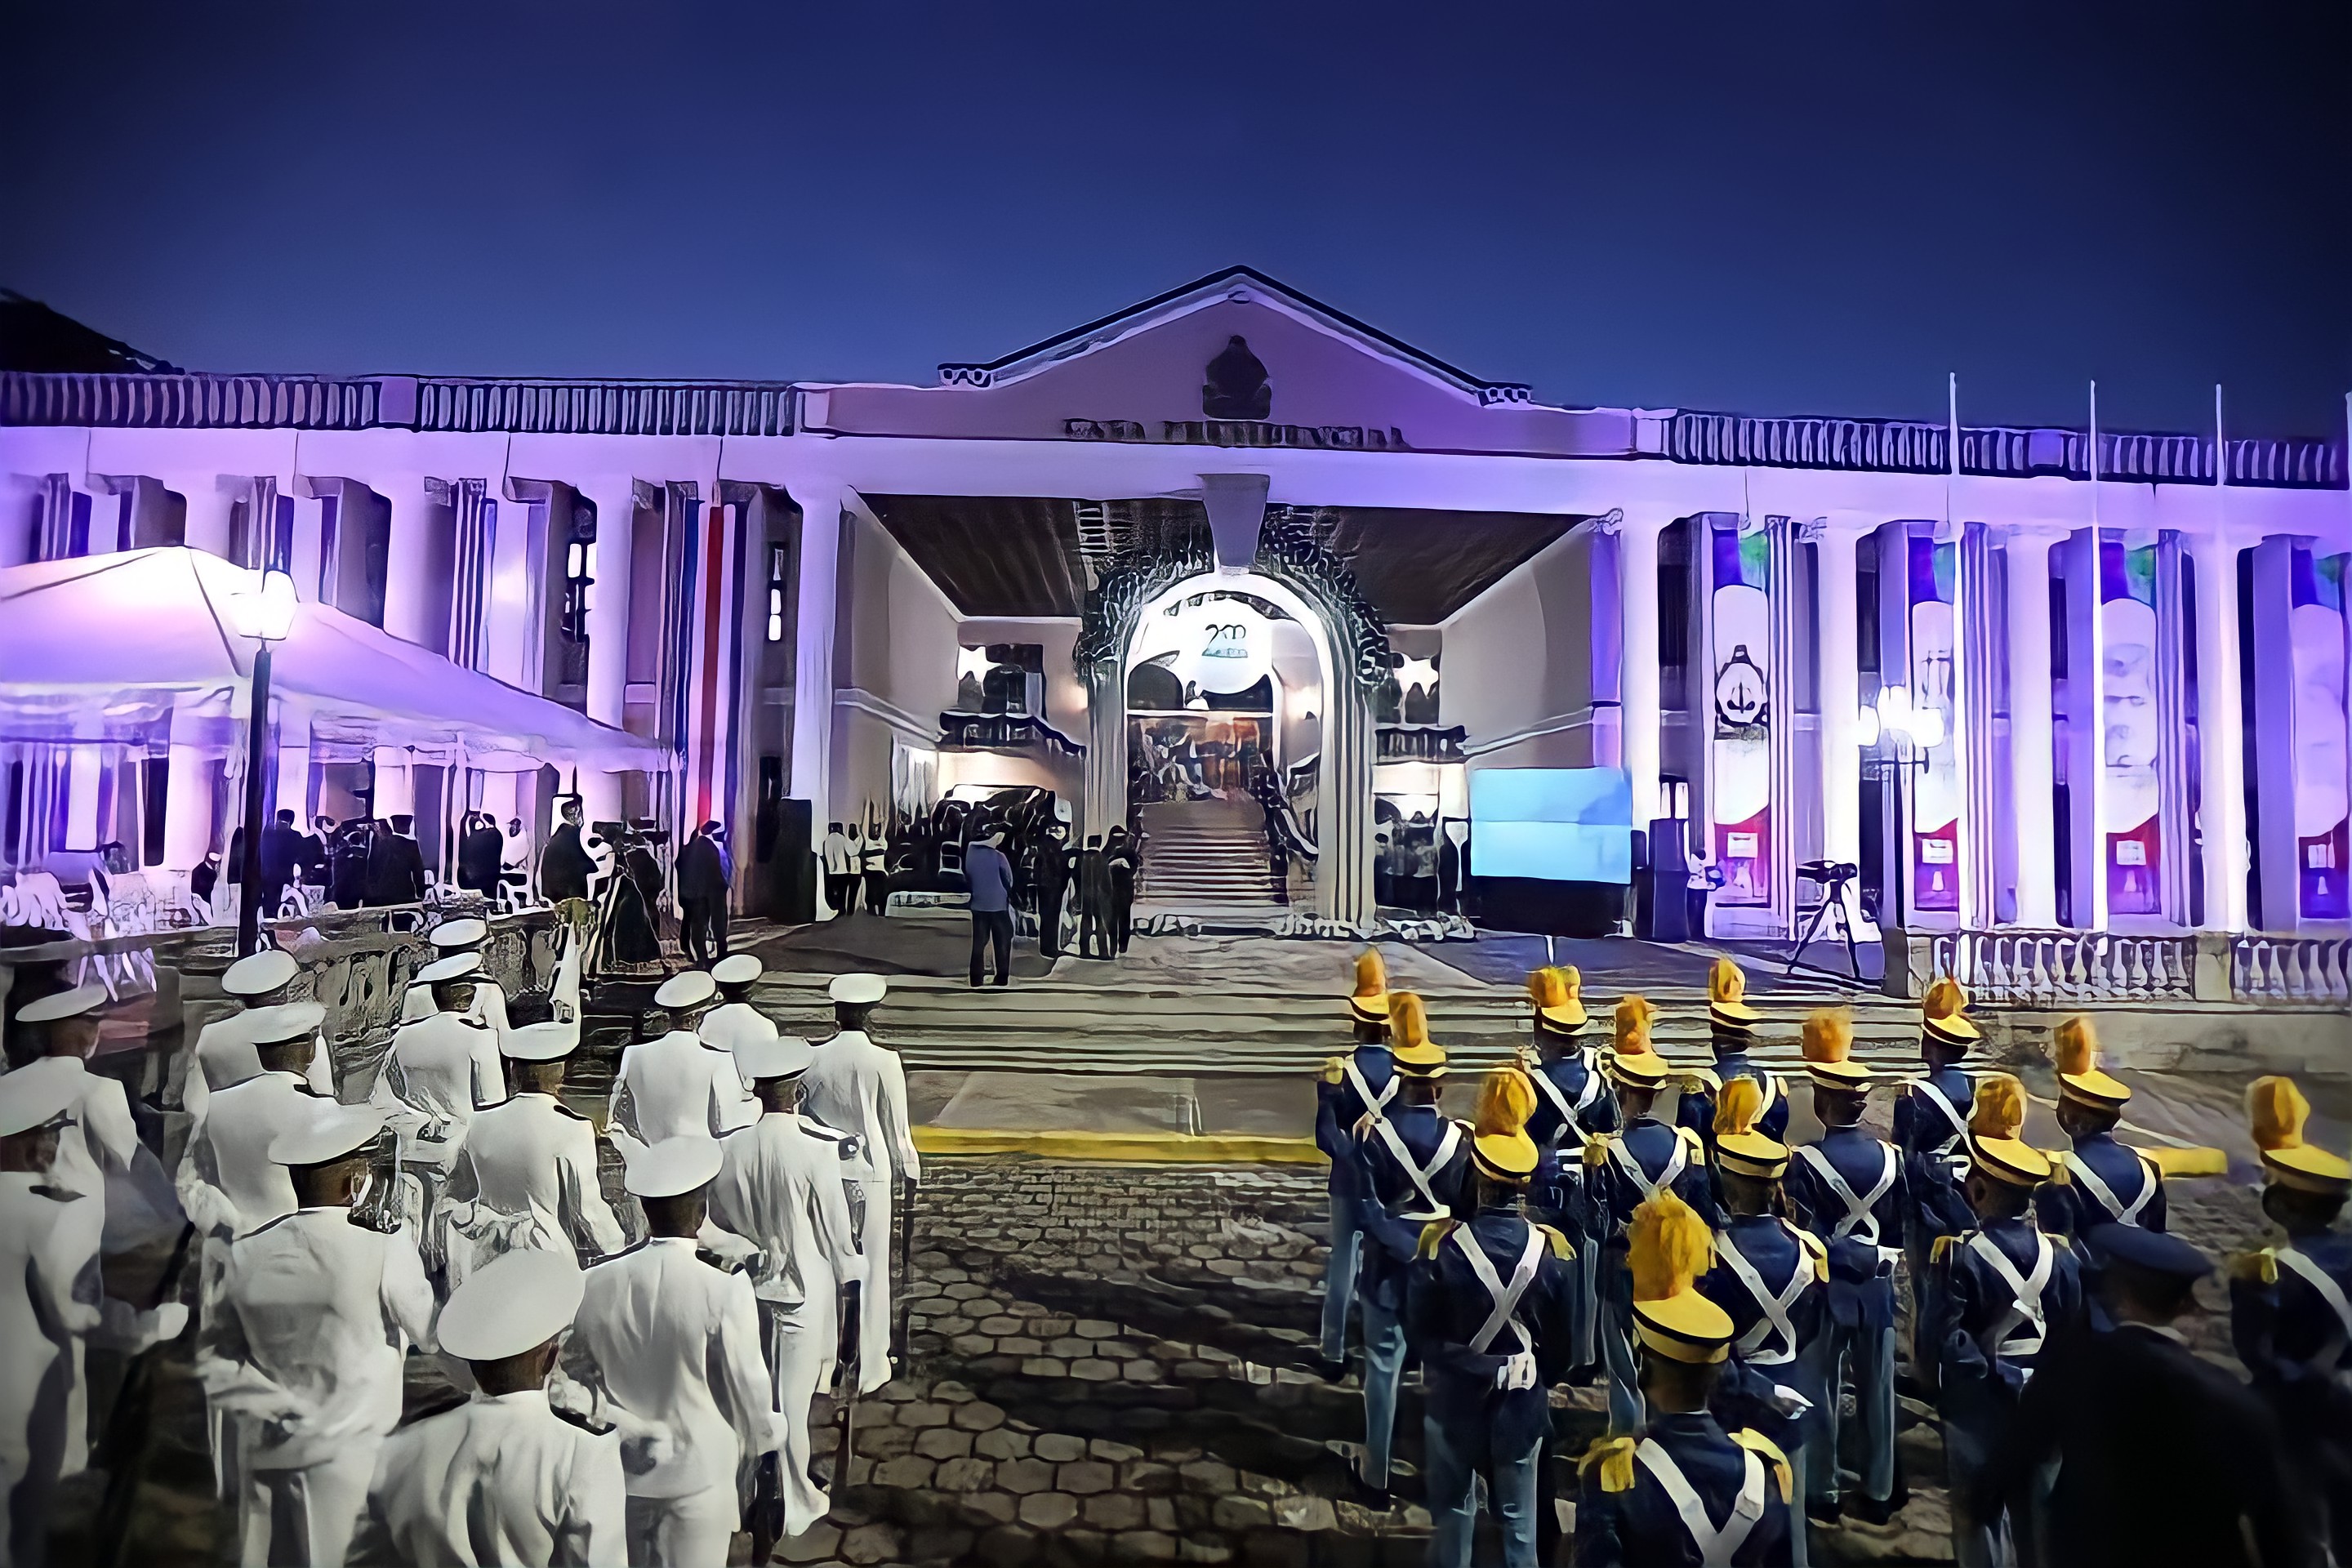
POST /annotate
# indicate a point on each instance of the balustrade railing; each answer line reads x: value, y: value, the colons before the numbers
x: 2023, y: 968
x: 2291, y: 969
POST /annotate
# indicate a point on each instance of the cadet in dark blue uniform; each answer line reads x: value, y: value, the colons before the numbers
x: 2099, y: 1181
x: 1412, y: 1162
x: 1931, y: 1125
x: 1848, y: 1190
x: 2291, y: 1305
x: 1682, y: 1492
x: 1491, y: 1312
x: 2001, y: 1291
x: 1621, y: 1172
x: 1772, y: 1278
x: 1573, y: 1102
x: 1731, y: 1027
x: 2160, y: 1457
x: 1355, y: 1086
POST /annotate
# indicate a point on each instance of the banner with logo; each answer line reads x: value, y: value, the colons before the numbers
x: 714, y: 588
x: 1936, y: 792
x: 2317, y: 640
x: 2131, y: 729
x: 1740, y: 764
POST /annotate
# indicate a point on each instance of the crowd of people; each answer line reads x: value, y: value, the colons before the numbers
x: 1738, y: 1296
x: 630, y: 1381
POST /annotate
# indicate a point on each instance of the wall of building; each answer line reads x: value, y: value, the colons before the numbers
x: 1066, y: 709
x: 1518, y: 668
x: 894, y: 662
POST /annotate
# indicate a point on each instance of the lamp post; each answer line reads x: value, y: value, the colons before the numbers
x: 1908, y: 734
x: 266, y: 615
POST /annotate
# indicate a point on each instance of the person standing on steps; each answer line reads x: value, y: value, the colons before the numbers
x: 1353, y: 1087
x: 874, y: 869
x: 840, y: 868
x: 704, y: 875
x: 990, y: 876
x: 857, y: 1087
x: 1122, y: 858
x: 1053, y: 881
x: 565, y: 865
x: 1094, y: 899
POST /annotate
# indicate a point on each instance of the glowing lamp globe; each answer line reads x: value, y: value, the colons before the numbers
x: 1928, y: 728
x: 266, y: 613
x: 1865, y: 727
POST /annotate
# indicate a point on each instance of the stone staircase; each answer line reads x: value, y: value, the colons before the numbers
x: 1206, y: 857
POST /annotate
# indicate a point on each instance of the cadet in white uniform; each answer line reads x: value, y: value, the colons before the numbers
x: 505, y: 1477
x: 735, y: 1022
x: 533, y: 1159
x: 667, y: 1345
x: 859, y: 1087
x: 780, y: 1185
x: 229, y: 1185
x: 453, y: 939
x: 307, y: 1344
x: 102, y: 1138
x: 677, y: 1087
x: 224, y: 1053
x: 48, y: 1303
x: 439, y: 1072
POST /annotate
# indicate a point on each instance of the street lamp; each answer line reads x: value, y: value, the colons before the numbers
x: 266, y: 615
x: 1909, y: 733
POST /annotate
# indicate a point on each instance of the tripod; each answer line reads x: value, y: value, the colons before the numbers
x: 1834, y: 876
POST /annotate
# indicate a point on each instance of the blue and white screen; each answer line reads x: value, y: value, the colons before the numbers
x: 1561, y: 824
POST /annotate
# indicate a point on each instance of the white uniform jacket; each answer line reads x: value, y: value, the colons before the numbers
x: 534, y: 1164
x: 307, y: 1338
x: 103, y: 1137
x: 501, y: 1480
x: 225, y: 1056
x: 733, y: 1023
x: 670, y: 1347
x: 780, y: 1187
x: 677, y: 1087
x: 47, y: 1241
x: 229, y: 1184
x: 489, y: 1008
x: 859, y: 1087
x: 442, y: 1070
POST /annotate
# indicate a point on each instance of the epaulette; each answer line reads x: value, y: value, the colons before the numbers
x: 62, y: 1194
x: 1941, y: 1249
x: 1706, y: 1079
x: 1561, y: 1248
x: 2061, y: 1240
x: 1596, y: 1149
x: 587, y: 1424
x: 1755, y: 1442
x: 257, y: 1229
x: 1811, y: 1245
x: 724, y: 1265
x: 614, y: 1256
x: 1613, y: 1456
x: 1690, y: 1136
x: 1334, y: 1069
x: 1432, y: 1236
x: 819, y: 1129
x: 2258, y: 1266
x: 575, y: 1115
x: 2060, y: 1175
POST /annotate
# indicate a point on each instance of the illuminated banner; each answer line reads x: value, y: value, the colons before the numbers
x: 1222, y: 645
x: 2317, y: 642
x: 2130, y: 729
x: 1740, y: 771
x: 713, y: 644
x: 1934, y: 580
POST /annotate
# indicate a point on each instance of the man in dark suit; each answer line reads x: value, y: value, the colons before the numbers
x: 282, y: 856
x: 395, y: 867
x: 703, y: 875
x: 565, y: 865
x: 314, y: 862
x: 478, y: 854
x: 2162, y: 1456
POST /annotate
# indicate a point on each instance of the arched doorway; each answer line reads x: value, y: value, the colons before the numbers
x: 1296, y: 574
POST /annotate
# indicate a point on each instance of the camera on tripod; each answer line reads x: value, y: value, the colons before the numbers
x: 629, y: 835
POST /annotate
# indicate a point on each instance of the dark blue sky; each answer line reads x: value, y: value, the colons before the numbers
x: 1766, y: 206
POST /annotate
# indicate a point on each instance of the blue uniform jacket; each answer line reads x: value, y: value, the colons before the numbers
x: 1421, y: 1127
x: 1697, y: 1111
x: 1641, y: 1528
x: 1861, y: 1282
x: 2283, y: 1327
x: 1557, y: 1189
x: 1337, y: 1109
x: 1972, y: 1299
x: 1743, y: 1394
x: 1445, y: 1308
x: 1611, y: 1196
x: 2066, y: 1207
x: 1932, y: 1160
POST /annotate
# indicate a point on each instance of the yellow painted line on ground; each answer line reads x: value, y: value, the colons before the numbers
x: 1130, y: 1148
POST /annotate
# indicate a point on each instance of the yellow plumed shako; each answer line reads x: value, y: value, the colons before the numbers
x: 1499, y: 1146
x: 2278, y: 1113
x: 2075, y: 1046
x: 1558, y: 995
x: 1943, y: 1015
x: 1410, y: 1046
x: 1726, y: 999
x: 1369, y: 1003
x: 1994, y: 1122
x: 1667, y: 1248
x: 1829, y: 1050
x: 1738, y: 1146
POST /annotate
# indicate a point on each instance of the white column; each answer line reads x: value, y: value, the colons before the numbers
x: 2032, y: 769
x: 608, y: 599
x: 187, y: 800
x: 1838, y: 659
x: 210, y: 499
x: 416, y: 595
x: 2220, y: 731
x: 820, y: 561
x: 1637, y: 590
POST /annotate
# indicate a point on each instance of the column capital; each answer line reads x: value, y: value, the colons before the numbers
x: 2036, y: 532
x: 2205, y: 543
x: 1611, y: 521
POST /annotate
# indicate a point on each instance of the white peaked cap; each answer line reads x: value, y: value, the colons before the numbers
x: 37, y: 1094
x: 287, y: 1021
x: 260, y: 972
x: 331, y: 1133
x: 780, y: 1058
x: 672, y: 1166
x: 859, y: 988
x: 517, y: 1301
x: 738, y: 969
x: 464, y: 933
x: 70, y: 1003
x: 457, y: 966
x: 551, y: 1041
x: 690, y: 989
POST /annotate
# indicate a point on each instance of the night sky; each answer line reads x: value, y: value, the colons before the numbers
x: 1763, y: 207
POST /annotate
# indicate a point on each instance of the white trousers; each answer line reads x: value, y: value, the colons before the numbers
x: 800, y: 1345
x: 696, y: 1531
x: 875, y: 1239
x: 304, y: 1518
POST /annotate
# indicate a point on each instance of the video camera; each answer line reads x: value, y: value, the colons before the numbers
x: 628, y: 834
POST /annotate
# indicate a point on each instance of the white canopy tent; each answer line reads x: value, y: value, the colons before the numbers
x: 141, y: 648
